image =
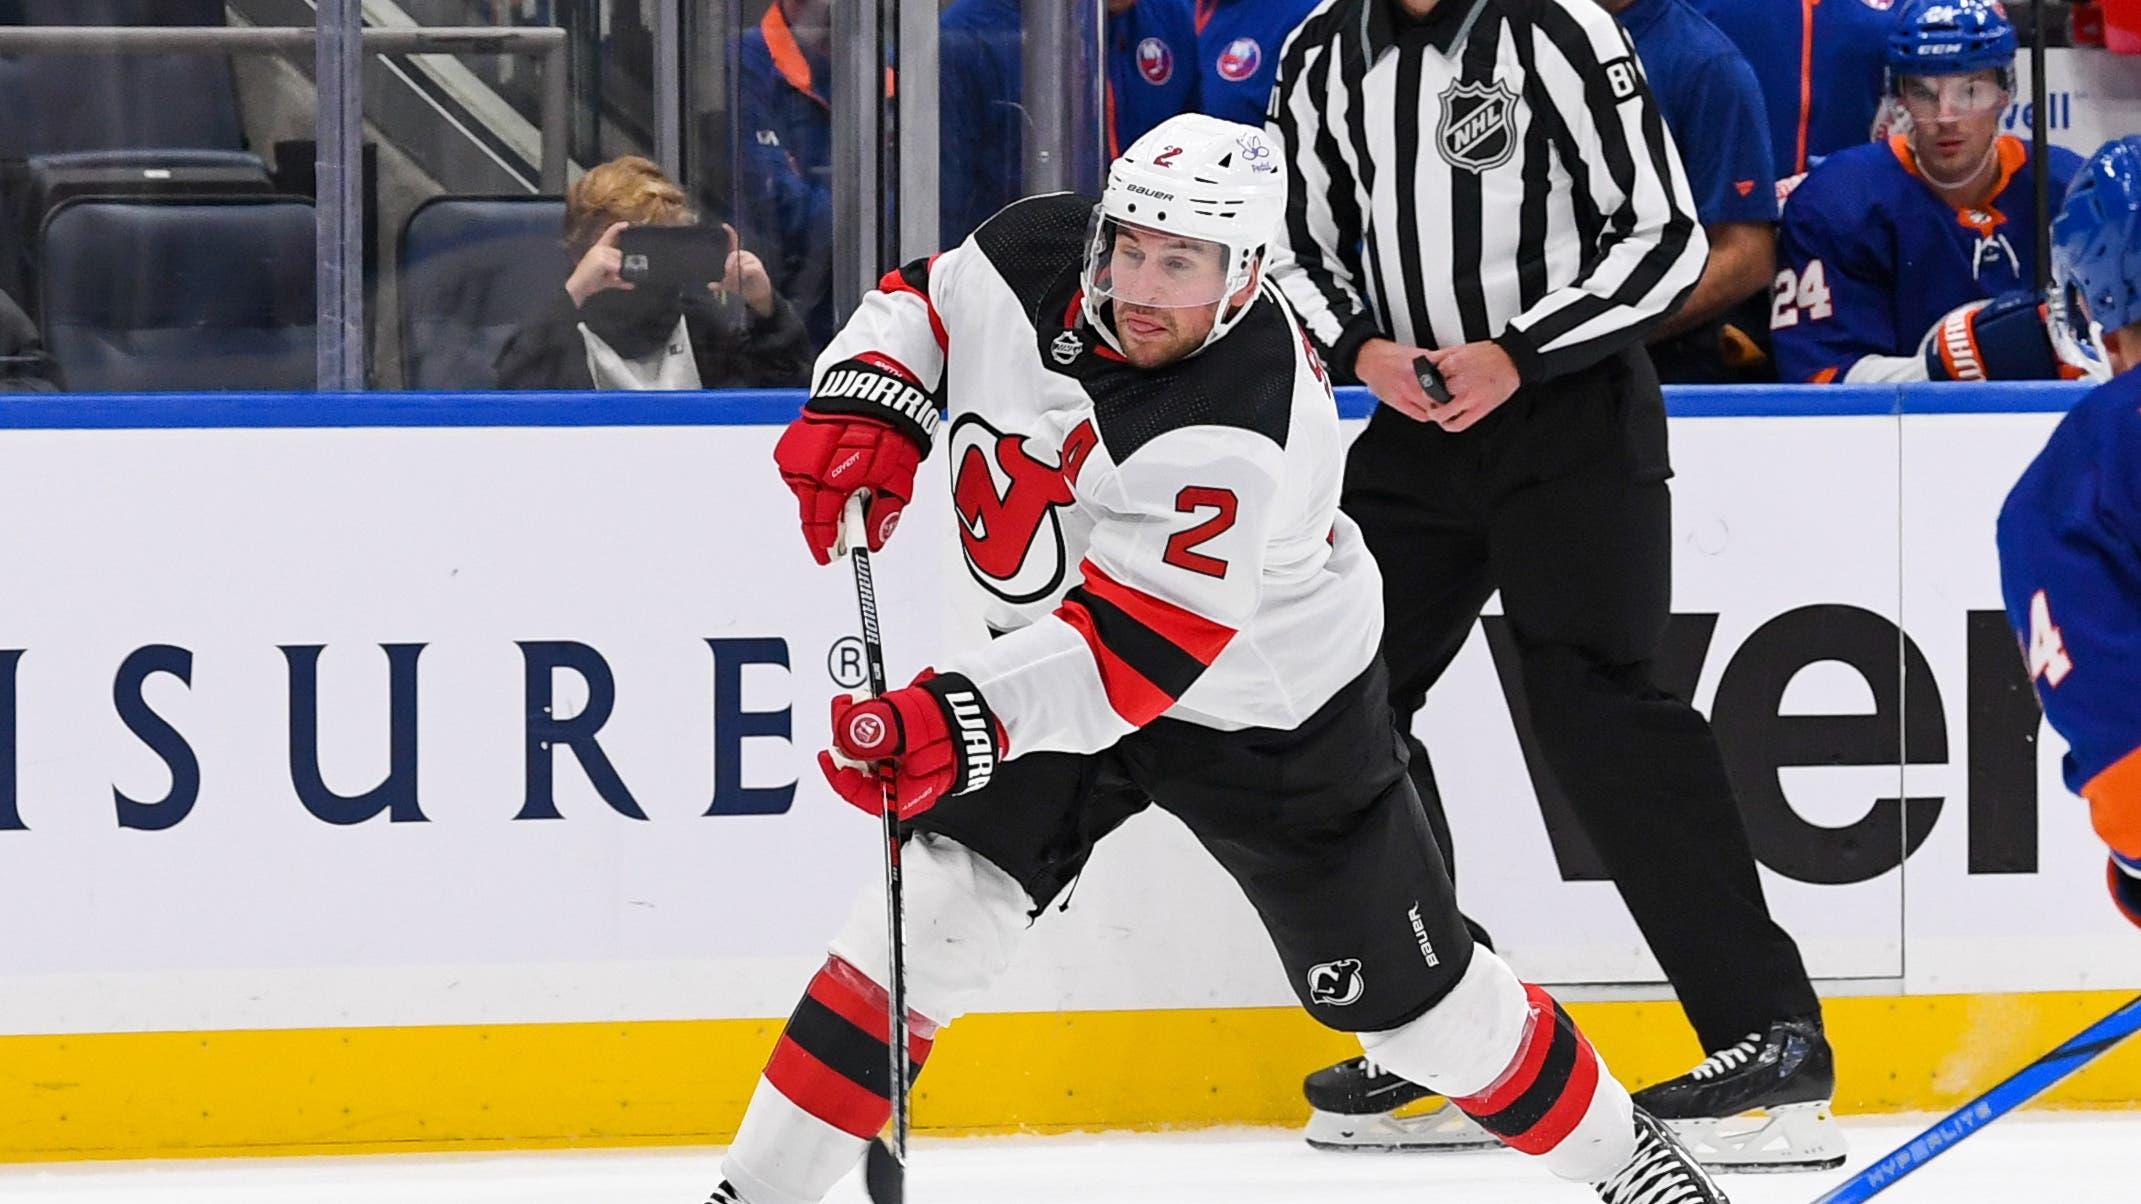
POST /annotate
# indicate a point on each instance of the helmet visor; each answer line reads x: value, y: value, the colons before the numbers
x: 1932, y: 97
x: 1138, y: 265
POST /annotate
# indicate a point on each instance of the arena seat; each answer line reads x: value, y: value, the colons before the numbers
x: 144, y: 294
x: 472, y: 269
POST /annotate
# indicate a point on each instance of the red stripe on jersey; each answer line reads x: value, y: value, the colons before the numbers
x: 1130, y: 692
x: 2115, y: 804
x: 1191, y: 632
x: 1562, y: 1119
x: 826, y: 1093
x: 850, y: 994
x: 894, y: 282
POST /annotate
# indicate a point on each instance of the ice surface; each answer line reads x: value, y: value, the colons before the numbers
x: 2068, y: 1159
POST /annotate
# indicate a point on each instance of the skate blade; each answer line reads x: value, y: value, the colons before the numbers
x: 1792, y: 1137
x: 1442, y: 1129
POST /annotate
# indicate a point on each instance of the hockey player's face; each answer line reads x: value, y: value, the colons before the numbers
x: 1954, y: 119
x: 1166, y: 290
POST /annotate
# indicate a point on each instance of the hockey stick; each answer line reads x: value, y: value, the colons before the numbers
x: 884, y: 1167
x: 2017, y: 1090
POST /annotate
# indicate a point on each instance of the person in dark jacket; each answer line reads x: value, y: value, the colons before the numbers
x: 600, y: 332
x: 24, y: 366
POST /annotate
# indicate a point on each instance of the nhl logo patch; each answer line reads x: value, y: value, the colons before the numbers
x: 1478, y: 127
x: 1066, y: 347
x: 1155, y: 61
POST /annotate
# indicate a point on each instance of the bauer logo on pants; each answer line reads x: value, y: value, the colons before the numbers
x: 1337, y: 984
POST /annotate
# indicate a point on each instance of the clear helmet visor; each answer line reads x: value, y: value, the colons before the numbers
x: 1136, y: 265
x: 1938, y: 97
x: 2076, y: 338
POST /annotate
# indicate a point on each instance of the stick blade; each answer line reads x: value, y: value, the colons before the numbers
x: 884, y: 1176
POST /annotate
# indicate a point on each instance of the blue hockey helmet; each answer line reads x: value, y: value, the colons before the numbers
x: 2096, y: 255
x: 1951, y: 37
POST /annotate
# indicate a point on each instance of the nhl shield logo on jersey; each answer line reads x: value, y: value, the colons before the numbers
x: 1337, y: 984
x: 1155, y: 61
x: 1240, y: 60
x: 1478, y: 127
x: 1066, y: 347
x: 1006, y: 500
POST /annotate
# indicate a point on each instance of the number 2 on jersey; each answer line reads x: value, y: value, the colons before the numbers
x: 2048, y: 657
x: 1795, y: 291
x: 1181, y: 546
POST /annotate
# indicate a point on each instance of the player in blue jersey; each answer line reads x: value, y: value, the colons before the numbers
x: 1152, y: 75
x: 1812, y: 112
x: 1882, y: 243
x: 2070, y: 533
x: 1238, y: 43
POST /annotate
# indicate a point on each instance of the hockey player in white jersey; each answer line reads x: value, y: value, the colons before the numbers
x: 1145, y: 464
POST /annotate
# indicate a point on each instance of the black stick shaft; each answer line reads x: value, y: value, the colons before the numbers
x: 873, y: 650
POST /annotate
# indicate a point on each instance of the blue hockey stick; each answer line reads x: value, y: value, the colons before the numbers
x: 2017, y: 1090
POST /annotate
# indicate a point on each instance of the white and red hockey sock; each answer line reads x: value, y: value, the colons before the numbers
x: 1557, y: 1101
x: 826, y: 1090
x: 1506, y: 1054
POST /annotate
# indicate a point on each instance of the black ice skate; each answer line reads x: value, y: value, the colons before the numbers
x: 1661, y: 1172
x: 1761, y: 1105
x: 1358, y: 1107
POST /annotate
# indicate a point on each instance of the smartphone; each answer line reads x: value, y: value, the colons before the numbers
x: 687, y: 257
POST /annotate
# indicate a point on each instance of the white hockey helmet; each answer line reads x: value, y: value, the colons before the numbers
x: 1191, y: 176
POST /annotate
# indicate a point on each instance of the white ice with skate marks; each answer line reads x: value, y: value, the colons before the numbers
x: 2086, y: 1157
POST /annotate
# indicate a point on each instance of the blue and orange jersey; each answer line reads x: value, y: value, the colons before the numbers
x: 1820, y: 66
x: 1152, y: 75
x: 1712, y: 105
x: 2070, y: 574
x: 784, y: 164
x: 1871, y: 257
x: 1238, y: 43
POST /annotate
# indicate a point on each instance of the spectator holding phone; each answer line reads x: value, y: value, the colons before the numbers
x: 654, y: 301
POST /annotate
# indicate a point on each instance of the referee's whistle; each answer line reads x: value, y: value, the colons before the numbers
x: 1430, y: 379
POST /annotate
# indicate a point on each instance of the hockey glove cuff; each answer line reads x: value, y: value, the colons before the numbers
x: 935, y: 738
x: 867, y: 428
x: 2001, y: 339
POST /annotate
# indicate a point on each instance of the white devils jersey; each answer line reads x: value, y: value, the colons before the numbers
x: 1150, y: 543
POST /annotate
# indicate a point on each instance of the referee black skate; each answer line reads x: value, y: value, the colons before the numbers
x: 1486, y: 217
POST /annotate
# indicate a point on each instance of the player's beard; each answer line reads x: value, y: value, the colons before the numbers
x: 1154, y: 337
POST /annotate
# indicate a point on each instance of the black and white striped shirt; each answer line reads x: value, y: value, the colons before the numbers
x: 1498, y: 171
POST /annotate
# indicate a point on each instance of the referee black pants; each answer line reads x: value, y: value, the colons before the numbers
x: 1558, y: 499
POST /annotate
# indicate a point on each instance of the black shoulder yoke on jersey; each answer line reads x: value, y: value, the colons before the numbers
x: 1244, y: 380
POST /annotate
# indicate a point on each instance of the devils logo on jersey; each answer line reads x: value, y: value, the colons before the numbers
x: 1155, y: 61
x: 1006, y: 501
x: 1240, y: 59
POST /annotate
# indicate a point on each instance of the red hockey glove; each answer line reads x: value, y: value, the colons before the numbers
x: 2001, y: 339
x: 934, y: 738
x: 866, y: 427
x: 2123, y: 876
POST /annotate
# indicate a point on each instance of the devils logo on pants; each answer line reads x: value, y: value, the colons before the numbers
x: 1006, y: 501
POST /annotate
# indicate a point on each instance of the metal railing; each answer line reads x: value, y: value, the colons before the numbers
x: 547, y: 44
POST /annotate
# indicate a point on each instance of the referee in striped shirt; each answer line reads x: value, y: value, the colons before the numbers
x: 1487, y: 186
